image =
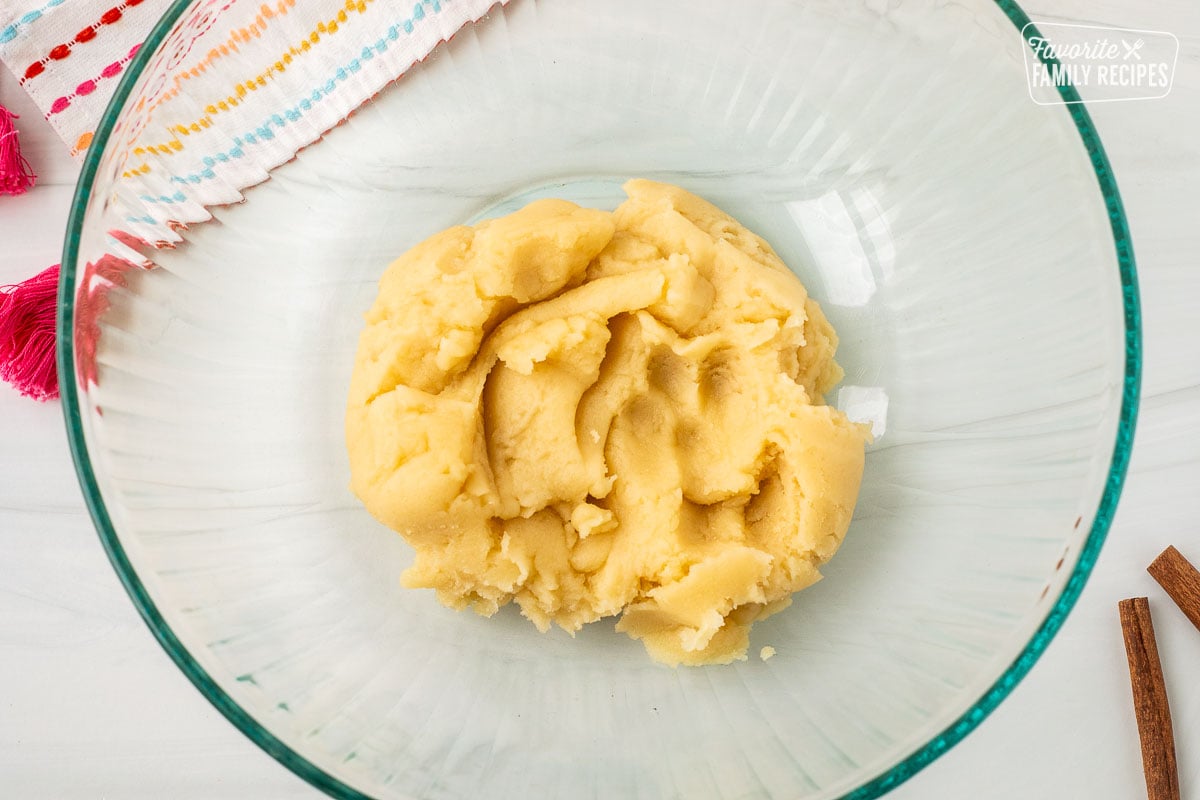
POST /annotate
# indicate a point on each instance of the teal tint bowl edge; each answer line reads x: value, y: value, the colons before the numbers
x: 876, y: 787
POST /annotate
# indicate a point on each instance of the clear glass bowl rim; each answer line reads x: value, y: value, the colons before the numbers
x: 877, y: 786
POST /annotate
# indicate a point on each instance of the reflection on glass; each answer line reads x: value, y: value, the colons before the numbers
x: 850, y: 242
x: 867, y: 404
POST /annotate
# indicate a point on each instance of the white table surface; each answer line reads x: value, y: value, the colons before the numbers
x: 91, y: 707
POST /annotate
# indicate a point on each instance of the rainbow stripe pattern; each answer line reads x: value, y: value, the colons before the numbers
x: 214, y: 116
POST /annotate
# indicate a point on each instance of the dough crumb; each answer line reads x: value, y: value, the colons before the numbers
x: 766, y: 653
x: 595, y: 414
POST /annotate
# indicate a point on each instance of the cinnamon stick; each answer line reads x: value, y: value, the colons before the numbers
x: 1180, y: 580
x: 1149, y: 700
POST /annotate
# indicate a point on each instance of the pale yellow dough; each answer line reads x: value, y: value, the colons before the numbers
x: 596, y: 413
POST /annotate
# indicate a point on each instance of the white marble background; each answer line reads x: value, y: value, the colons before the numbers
x: 90, y: 707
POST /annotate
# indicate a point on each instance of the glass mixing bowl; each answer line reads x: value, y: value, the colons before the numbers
x: 967, y: 243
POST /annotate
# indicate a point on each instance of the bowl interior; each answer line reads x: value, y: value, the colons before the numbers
x: 953, y: 230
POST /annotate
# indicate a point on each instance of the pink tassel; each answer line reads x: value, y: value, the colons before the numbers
x: 27, y: 335
x: 16, y: 176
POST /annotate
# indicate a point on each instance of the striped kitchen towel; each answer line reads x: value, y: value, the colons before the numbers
x: 69, y: 54
x: 214, y: 115
x: 233, y: 89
